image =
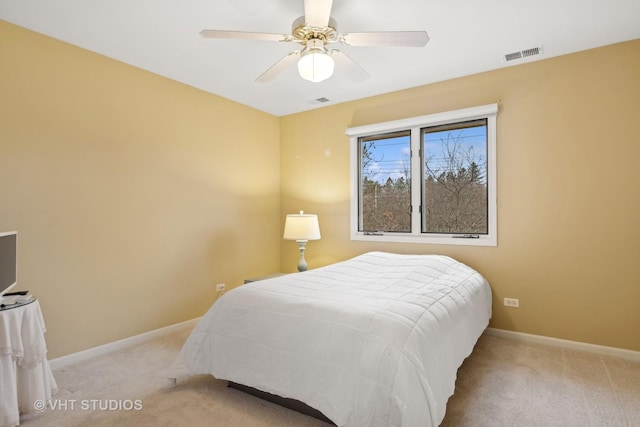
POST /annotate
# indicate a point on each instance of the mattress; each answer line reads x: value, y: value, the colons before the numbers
x: 372, y: 341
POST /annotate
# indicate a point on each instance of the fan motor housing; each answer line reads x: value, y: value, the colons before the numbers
x: 302, y: 32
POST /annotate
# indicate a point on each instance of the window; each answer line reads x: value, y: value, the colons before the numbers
x: 428, y: 179
x: 385, y: 180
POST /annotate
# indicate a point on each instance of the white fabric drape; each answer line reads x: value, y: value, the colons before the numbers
x: 25, y: 374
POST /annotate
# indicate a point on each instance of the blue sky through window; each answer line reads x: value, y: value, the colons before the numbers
x: 391, y: 157
x: 467, y: 145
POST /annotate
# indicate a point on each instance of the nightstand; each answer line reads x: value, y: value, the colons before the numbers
x: 265, y: 277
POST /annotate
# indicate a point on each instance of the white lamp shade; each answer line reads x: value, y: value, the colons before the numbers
x: 301, y: 227
x: 316, y: 66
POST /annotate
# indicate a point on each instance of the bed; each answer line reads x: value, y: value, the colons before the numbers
x: 375, y: 340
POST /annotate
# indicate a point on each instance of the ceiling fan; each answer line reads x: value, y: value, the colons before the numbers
x: 315, y: 31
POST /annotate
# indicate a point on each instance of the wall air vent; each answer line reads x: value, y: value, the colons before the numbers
x: 523, y: 54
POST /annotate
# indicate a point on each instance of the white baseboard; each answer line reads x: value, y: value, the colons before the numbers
x: 574, y: 345
x: 81, y: 356
x: 100, y: 350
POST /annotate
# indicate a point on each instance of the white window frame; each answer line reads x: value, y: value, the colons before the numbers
x: 415, y: 124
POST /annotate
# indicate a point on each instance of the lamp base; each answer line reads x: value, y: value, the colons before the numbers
x: 302, y: 263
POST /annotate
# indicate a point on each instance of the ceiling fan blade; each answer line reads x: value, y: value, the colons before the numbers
x: 278, y: 67
x: 354, y: 71
x: 386, y: 39
x: 317, y: 12
x: 244, y: 35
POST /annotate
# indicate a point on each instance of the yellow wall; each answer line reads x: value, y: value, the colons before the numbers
x: 568, y: 189
x: 133, y: 195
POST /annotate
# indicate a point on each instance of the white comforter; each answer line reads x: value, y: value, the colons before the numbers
x: 372, y: 341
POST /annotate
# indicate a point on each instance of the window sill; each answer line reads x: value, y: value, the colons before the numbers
x: 482, y: 240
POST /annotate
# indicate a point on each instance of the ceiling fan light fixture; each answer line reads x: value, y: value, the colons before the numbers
x: 315, y: 31
x: 315, y: 65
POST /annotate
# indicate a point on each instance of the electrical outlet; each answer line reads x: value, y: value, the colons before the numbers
x: 512, y: 302
x: 220, y: 287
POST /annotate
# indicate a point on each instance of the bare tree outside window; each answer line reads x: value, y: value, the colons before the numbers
x: 455, y: 186
x: 386, y: 183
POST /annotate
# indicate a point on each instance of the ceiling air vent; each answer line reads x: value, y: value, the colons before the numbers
x: 320, y: 100
x: 523, y: 54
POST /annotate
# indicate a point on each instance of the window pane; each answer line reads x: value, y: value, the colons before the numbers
x: 455, y: 178
x: 385, y: 183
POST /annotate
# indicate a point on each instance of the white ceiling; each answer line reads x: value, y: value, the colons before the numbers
x: 467, y: 37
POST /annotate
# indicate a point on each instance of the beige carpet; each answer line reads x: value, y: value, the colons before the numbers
x: 503, y: 383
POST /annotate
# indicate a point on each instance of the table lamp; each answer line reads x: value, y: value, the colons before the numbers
x: 301, y: 228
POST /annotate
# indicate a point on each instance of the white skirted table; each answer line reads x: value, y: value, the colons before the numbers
x: 25, y: 375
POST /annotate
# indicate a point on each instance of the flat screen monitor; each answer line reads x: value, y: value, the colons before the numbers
x: 8, y: 261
